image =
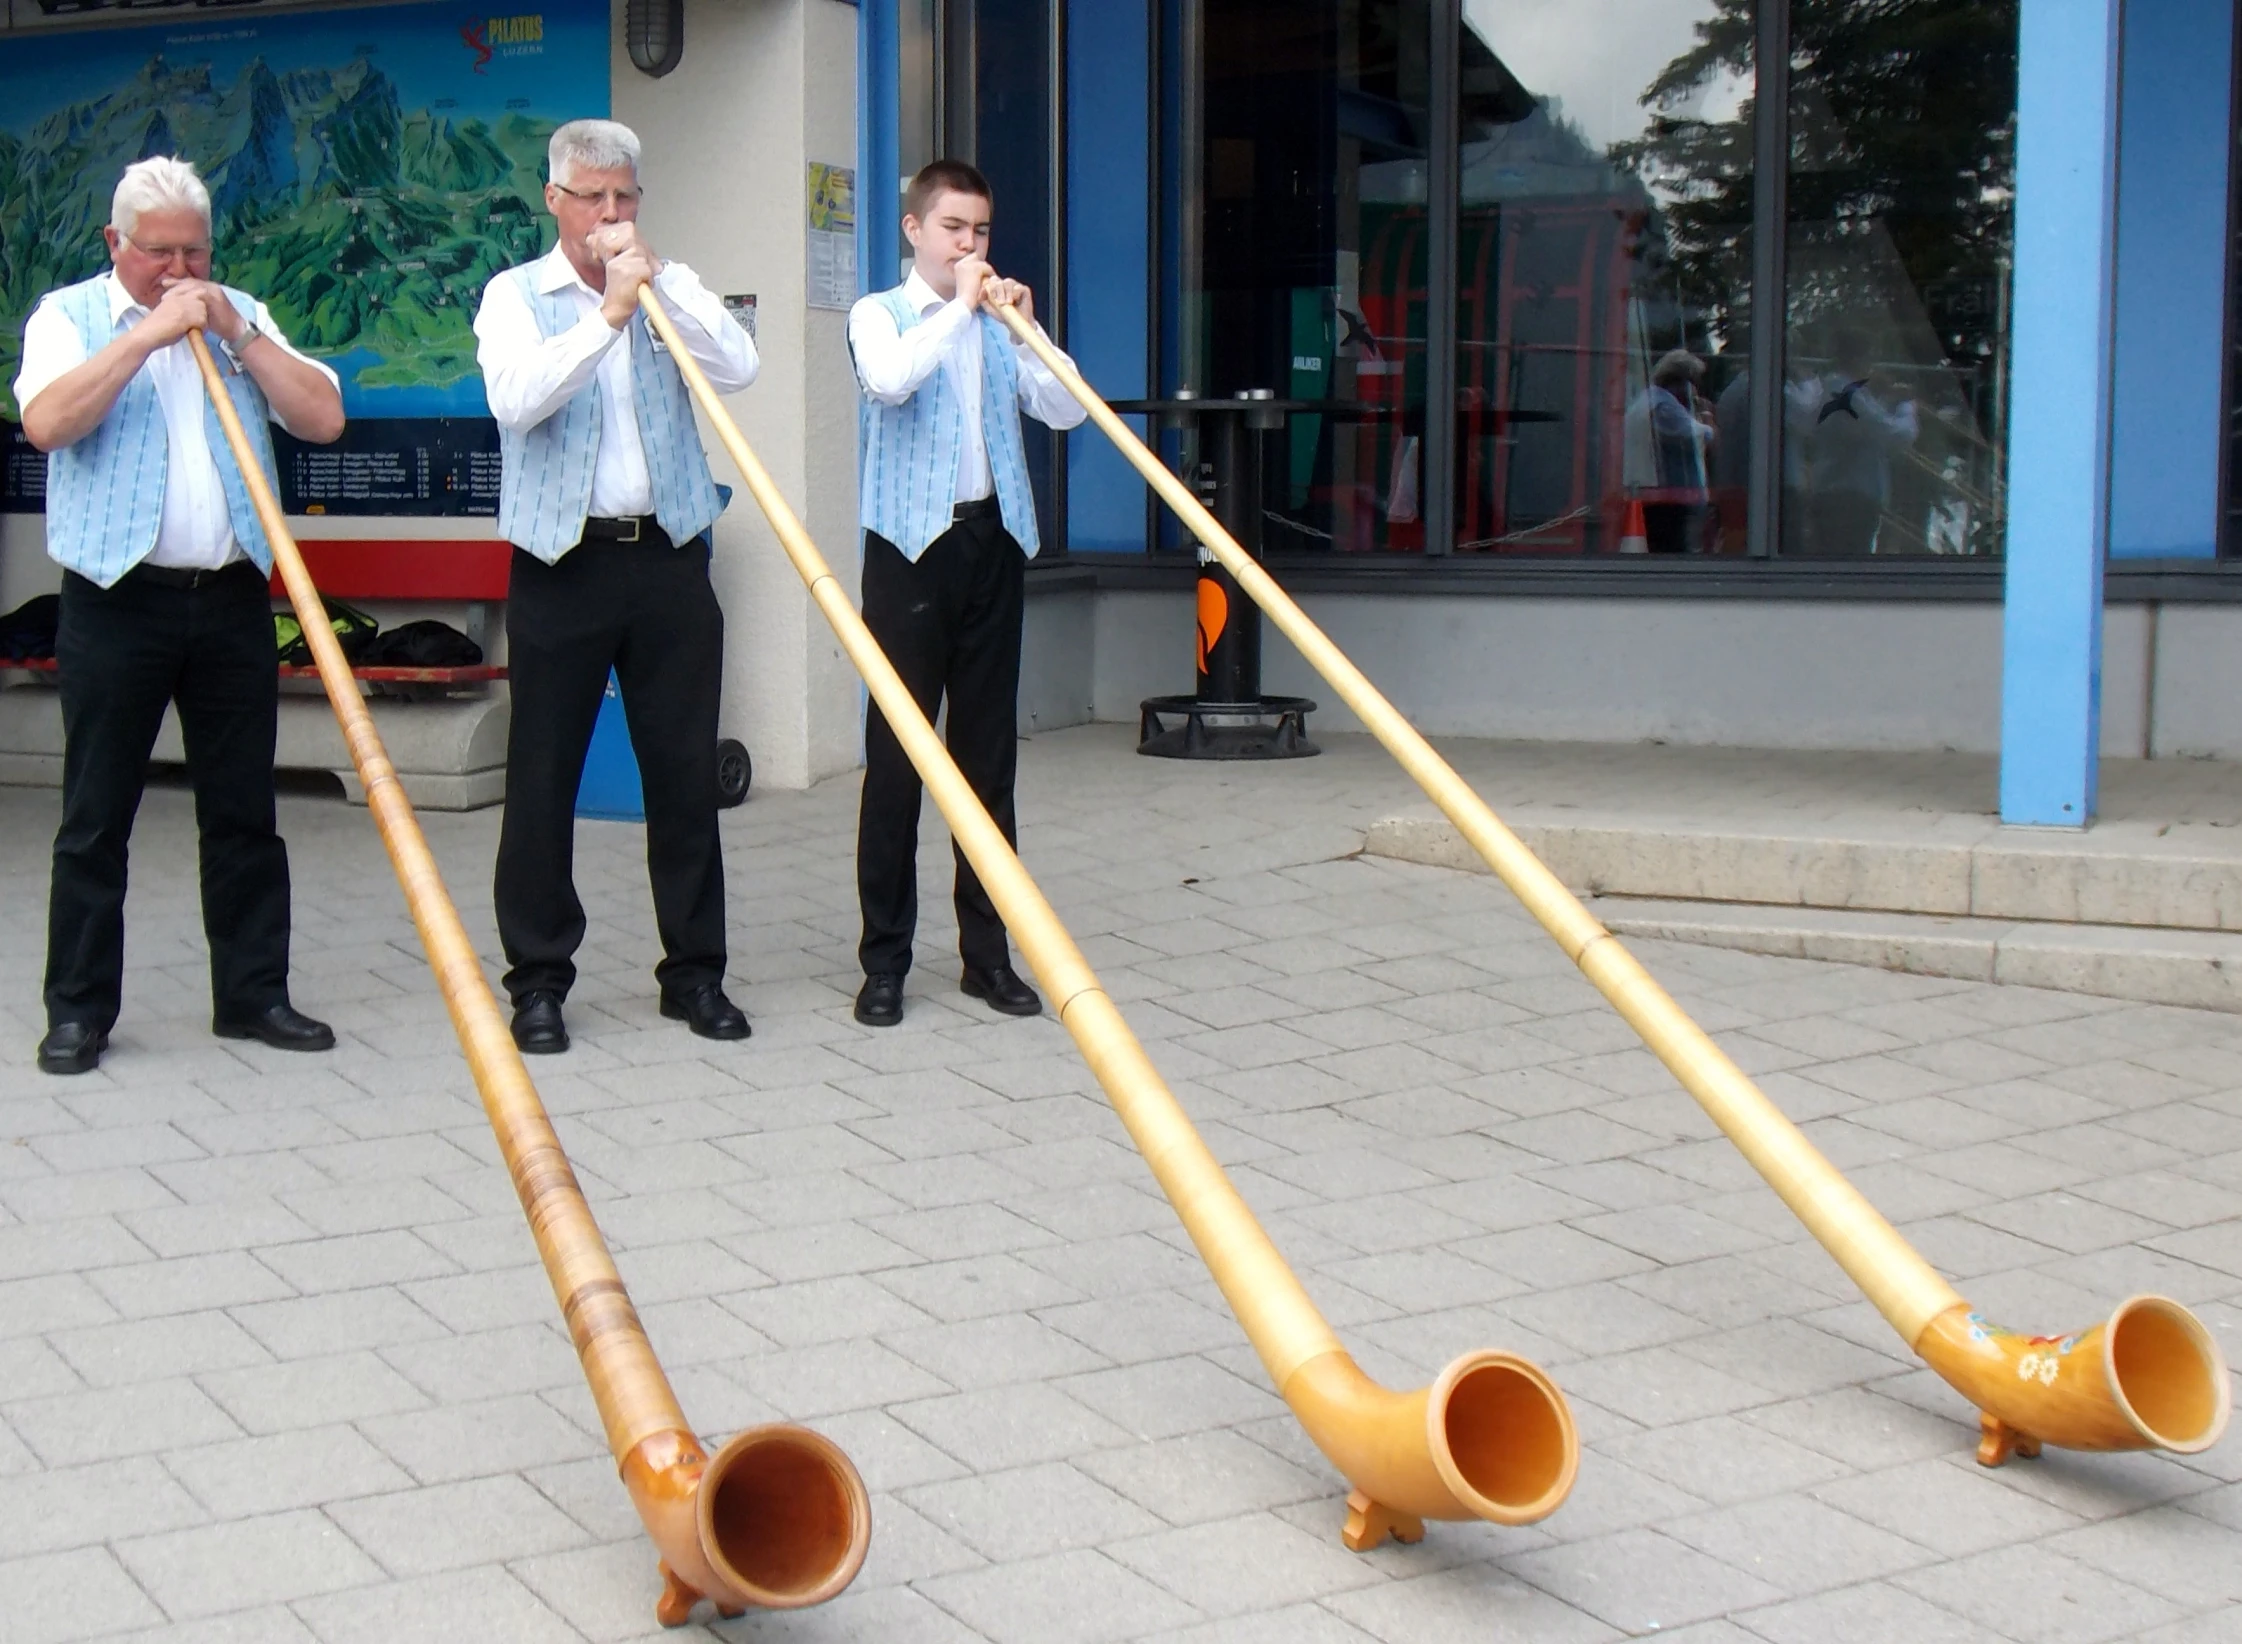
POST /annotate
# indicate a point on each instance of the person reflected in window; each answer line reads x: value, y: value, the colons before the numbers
x: 1732, y: 448
x: 1858, y: 420
x: 1667, y: 437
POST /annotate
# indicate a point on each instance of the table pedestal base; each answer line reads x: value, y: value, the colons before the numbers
x: 1225, y: 730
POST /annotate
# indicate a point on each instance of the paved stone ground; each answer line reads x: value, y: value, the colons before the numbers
x: 276, y: 1362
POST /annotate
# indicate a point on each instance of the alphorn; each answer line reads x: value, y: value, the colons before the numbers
x: 778, y: 1517
x: 1492, y: 1437
x: 2150, y: 1377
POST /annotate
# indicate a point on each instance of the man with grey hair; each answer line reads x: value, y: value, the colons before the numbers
x: 164, y: 603
x: 606, y: 495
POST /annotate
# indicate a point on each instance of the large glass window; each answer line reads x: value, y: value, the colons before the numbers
x: 1602, y: 321
x: 1580, y: 277
x: 1603, y: 324
x: 1902, y: 177
x: 1301, y: 265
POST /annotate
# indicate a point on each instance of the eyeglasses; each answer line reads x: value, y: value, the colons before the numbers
x: 621, y: 196
x: 164, y: 253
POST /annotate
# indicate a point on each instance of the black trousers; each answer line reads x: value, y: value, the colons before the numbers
x: 950, y: 622
x: 126, y: 653
x: 646, y: 610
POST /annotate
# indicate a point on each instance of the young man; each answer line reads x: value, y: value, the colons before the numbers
x: 606, y: 495
x: 949, y: 522
x: 164, y: 603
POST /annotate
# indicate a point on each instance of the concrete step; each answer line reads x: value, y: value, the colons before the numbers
x: 2166, y: 967
x: 1950, y: 864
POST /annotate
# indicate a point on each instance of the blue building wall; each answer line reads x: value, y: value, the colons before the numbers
x: 2174, y: 131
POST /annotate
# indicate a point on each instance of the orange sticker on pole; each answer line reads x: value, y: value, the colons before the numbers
x: 1214, y: 612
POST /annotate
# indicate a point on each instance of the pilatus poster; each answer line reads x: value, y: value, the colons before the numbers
x: 369, y: 170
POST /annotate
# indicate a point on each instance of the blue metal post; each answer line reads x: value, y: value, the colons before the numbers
x: 2059, y: 427
x: 2175, y: 136
x: 879, y: 149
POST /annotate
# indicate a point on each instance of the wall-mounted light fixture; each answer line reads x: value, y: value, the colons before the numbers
x: 654, y: 30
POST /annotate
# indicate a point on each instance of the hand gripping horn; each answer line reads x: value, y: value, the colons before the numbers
x: 2149, y: 1377
x: 1492, y: 1437
x: 778, y: 1517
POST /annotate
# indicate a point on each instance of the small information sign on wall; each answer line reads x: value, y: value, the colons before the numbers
x: 832, y: 205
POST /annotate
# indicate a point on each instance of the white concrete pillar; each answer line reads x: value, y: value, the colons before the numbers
x: 765, y: 89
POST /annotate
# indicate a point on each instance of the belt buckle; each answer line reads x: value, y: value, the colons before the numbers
x: 635, y: 528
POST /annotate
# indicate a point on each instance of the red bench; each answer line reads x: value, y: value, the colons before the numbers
x: 474, y: 570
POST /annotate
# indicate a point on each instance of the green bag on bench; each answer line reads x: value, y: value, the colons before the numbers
x: 354, y: 631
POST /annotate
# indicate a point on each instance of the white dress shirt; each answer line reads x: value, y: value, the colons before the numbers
x: 196, y: 531
x: 891, y: 364
x: 528, y: 375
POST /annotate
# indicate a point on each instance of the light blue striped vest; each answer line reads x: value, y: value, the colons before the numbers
x: 105, y: 490
x: 545, y: 481
x: 911, y: 451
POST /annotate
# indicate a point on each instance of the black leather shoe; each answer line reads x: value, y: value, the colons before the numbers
x: 538, y: 1028
x: 879, y: 1002
x: 72, y: 1047
x: 1001, y: 987
x: 281, y: 1026
x: 707, y: 1012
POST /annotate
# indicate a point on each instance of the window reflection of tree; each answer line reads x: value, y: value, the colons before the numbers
x: 1901, y: 185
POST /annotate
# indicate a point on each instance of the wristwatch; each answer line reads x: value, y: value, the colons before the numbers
x: 250, y: 332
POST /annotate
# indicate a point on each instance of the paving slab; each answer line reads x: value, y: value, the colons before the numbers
x: 276, y: 1361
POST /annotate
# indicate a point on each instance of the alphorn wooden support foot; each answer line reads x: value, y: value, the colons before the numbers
x: 675, y: 1607
x: 1997, y: 1441
x: 1368, y: 1524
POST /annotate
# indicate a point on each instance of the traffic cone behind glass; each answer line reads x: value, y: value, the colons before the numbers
x: 1635, y: 538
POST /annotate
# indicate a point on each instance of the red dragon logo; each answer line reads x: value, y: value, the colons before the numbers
x: 472, y: 34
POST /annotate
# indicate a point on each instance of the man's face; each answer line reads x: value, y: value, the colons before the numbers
x: 164, y: 248
x: 591, y: 200
x: 955, y: 226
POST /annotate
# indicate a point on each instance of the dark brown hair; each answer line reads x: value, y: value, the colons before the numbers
x: 941, y: 177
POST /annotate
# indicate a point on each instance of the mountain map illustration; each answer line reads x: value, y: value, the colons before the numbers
x: 369, y: 214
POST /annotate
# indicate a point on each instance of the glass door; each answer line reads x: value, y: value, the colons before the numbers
x: 1296, y: 177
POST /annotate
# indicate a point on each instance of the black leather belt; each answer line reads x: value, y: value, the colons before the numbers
x: 632, y: 528
x: 979, y: 508
x: 187, y: 576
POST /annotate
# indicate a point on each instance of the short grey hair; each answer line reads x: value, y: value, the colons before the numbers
x: 158, y: 184
x: 590, y: 145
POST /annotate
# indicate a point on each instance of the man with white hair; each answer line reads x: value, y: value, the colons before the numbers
x: 164, y: 602
x: 606, y: 495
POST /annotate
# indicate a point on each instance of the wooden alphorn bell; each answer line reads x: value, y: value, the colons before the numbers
x: 778, y: 1517
x: 2148, y: 1377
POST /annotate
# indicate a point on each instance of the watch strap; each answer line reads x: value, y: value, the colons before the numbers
x: 250, y: 332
